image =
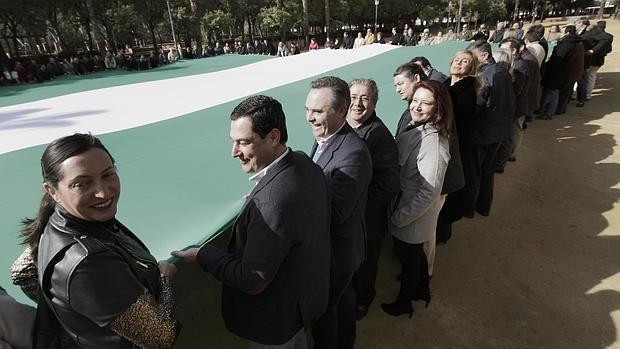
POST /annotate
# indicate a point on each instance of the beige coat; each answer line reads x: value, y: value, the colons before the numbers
x: 423, y: 157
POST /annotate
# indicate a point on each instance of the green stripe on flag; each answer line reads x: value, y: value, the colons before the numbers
x: 180, y: 184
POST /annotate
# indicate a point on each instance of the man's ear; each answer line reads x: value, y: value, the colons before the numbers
x: 51, y: 191
x: 344, y: 110
x: 416, y: 78
x: 274, y: 137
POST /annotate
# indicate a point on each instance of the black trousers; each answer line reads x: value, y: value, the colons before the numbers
x: 326, y: 330
x: 366, y: 277
x: 566, y: 90
x: 443, y: 231
x: 479, y: 170
x: 414, y: 279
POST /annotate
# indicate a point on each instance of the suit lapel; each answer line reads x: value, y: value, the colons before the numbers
x: 365, y: 128
x: 334, y: 145
x: 313, y: 150
x: 271, y: 174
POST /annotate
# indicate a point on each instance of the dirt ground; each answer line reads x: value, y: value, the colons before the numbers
x: 543, y: 270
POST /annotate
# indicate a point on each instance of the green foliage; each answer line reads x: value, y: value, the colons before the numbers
x: 496, y: 10
x: 273, y: 18
x: 429, y: 13
x: 218, y: 20
x: 122, y: 18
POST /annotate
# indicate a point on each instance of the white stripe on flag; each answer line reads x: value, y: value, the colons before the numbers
x: 122, y: 107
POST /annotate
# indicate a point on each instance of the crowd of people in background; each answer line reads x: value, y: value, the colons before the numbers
x: 36, y: 71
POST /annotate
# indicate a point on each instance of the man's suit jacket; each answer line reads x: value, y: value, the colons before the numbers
x: 436, y: 75
x: 405, y: 119
x: 385, y: 182
x: 347, y: 166
x: 281, y: 236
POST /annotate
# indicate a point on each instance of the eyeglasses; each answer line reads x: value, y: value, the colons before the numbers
x: 364, y: 99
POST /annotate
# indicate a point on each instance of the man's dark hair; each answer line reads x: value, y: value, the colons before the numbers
x: 570, y: 30
x: 538, y: 30
x: 341, y: 96
x: 515, y: 44
x: 425, y: 62
x: 265, y: 113
x: 532, y: 37
x: 410, y: 70
x: 482, y: 46
x: 602, y: 25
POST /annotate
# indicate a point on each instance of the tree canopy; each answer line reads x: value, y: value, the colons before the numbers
x: 51, y: 26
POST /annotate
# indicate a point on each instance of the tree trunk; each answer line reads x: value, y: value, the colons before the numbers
x: 601, y: 10
x: 153, y: 40
x: 250, y: 29
x: 159, y: 40
x: 515, y: 15
x: 3, y: 56
x: 327, y: 19
x: 282, y: 30
x: 52, y: 25
x: 13, y: 28
x: 95, y: 26
x: 196, y: 24
x: 306, y: 21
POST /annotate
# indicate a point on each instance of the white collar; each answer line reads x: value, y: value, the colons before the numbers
x: 326, y: 140
x: 260, y: 174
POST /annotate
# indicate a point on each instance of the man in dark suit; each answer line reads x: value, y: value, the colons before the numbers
x: 276, y: 268
x: 493, y: 123
x: 406, y: 77
x: 346, y: 163
x: 431, y: 73
x: 384, y: 185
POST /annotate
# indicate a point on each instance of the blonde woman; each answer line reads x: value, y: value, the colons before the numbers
x: 463, y: 86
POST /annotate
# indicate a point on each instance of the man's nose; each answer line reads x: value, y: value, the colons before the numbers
x: 235, y: 151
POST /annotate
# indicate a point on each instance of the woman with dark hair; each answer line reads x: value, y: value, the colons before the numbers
x: 99, y: 285
x: 463, y: 86
x: 423, y: 155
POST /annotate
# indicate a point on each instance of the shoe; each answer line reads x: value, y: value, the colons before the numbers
x: 425, y: 296
x: 544, y: 117
x: 468, y: 214
x: 360, y: 311
x: 398, y: 308
x: 484, y: 213
x: 499, y: 170
x: 512, y: 159
x: 580, y: 104
x: 427, y: 300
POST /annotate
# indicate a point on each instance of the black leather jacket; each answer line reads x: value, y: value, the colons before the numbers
x: 91, y: 274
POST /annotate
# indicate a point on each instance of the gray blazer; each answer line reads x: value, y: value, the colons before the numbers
x: 347, y: 166
x: 423, y: 156
x: 276, y: 269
